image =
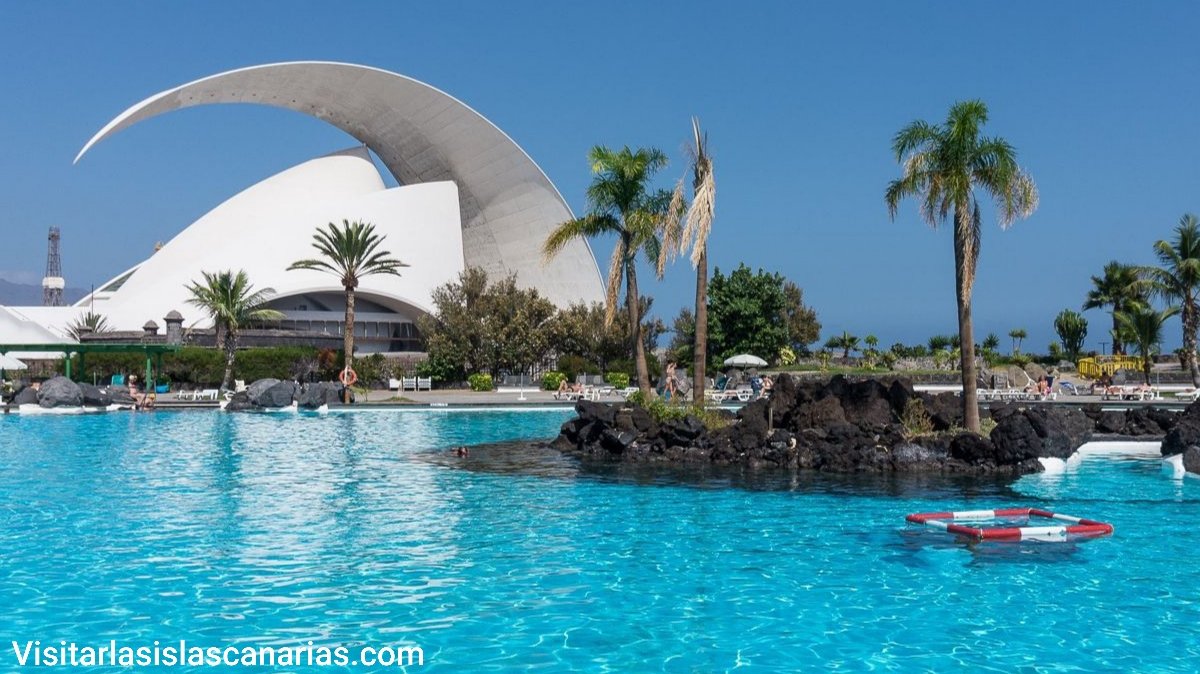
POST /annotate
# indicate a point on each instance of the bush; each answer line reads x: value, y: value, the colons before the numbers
x: 617, y: 379
x: 438, y: 369
x: 552, y: 380
x: 915, y: 419
x: 662, y: 411
x: 572, y: 366
x: 480, y: 381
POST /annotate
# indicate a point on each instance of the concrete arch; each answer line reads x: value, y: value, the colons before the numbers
x: 508, y: 204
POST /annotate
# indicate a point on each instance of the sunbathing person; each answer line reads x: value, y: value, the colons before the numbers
x: 567, y: 388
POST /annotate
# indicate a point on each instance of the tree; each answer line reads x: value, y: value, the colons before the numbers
x: 943, y: 166
x: 1145, y: 325
x: 1121, y: 287
x: 1017, y: 334
x: 940, y: 343
x: 1178, y: 279
x: 350, y: 252
x: 1072, y: 330
x: 683, y: 330
x: 621, y: 203
x: 232, y: 303
x: 802, y: 324
x: 845, y: 341
x: 694, y: 233
x: 480, y: 326
x: 90, y: 323
x: 745, y: 310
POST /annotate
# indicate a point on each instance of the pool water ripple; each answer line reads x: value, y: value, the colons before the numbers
x: 362, y: 528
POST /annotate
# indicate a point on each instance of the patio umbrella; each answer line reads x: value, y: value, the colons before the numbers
x: 10, y: 363
x: 745, y: 360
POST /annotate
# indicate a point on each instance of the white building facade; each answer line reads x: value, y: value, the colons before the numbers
x: 467, y: 196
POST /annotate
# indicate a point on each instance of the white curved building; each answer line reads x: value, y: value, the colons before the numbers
x: 468, y: 196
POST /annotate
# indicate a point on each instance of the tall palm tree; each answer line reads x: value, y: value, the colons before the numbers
x: 1120, y: 287
x: 350, y: 252
x: 1178, y: 279
x: 943, y: 166
x: 694, y: 232
x: 232, y: 302
x: 620, y: 202
x: 1145, y: 325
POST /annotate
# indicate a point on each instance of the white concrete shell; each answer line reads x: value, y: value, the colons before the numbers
x: 423, y: 135
x: 267, y: 227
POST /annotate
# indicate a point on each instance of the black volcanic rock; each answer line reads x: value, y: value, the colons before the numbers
x: 60, y: 392
x: 841, y: 426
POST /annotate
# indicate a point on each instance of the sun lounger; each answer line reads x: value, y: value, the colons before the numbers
x: 1189, y: 395
x: 393, y: 384
x: 408, y: 383
x: 424, y: 384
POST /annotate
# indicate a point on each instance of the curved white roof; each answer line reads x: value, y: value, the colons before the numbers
x: 508, y: 205
x: 267, y: 227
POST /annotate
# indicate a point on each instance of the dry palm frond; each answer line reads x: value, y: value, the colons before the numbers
x: 669, y: 230
x: 700, y: 216
x: 616, y: 268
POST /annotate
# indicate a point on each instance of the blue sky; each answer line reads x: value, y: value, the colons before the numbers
x: 800, y: 102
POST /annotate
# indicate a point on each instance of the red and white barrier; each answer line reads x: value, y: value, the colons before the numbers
x: 1076, y: 526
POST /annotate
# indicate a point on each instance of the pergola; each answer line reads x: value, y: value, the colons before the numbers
x: 153, y: 353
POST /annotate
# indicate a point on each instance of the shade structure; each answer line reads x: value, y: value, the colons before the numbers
x: 10, y: 363
x: 745, y: 360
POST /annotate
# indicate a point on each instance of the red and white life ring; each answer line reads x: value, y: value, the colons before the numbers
x: 1076, y: 526
x: 348, y: 376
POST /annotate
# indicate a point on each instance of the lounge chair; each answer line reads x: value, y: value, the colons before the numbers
x: 393, y: 384
x: 408, y: 383
x: 1192, y: 395
x: 424, y: 384
x: 239, y: 385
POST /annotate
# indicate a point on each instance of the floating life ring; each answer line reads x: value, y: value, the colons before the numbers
x: 1075, y: 526
x: 348, y: 376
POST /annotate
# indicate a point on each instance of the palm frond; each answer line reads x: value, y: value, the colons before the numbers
x: 616, y: 275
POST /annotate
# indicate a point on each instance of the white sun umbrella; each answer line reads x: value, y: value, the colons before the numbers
x: 10, y: 363
x: 744, y: 360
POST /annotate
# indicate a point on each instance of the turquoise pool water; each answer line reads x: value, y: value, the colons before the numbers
x: 360, y: 528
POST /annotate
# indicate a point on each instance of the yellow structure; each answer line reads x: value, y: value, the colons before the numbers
x: 1095, y: 366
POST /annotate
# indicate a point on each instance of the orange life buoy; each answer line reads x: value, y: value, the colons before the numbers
x: 348, y: 376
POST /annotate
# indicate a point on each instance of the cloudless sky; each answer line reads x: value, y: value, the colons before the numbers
x: 800, y: 101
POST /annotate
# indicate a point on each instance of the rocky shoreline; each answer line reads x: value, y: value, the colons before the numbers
x: 844, y: 426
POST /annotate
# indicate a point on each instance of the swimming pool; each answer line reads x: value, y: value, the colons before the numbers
x: 360, y: 528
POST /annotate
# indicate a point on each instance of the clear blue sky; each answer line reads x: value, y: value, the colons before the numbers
x: 800, y: 102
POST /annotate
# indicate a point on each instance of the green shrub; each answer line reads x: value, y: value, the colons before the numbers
x: 552, y: 380
x: 572, y: 366
x: 662, y: 411
x: 439, y: 369
x: 915, y: 419
x: 617, y: 379
x: 480, y: 381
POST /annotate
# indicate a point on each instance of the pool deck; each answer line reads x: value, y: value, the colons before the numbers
x: 534, y: 398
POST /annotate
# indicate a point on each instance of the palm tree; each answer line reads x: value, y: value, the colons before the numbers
x: 694, y: 232
x: 1179, y: 279
x: 845, y: 341
x: 1145, y: 325
x: 1121, y: 287
x: 1017, y: 334
x: 942, y: 167
x: 231, y: 302
x: 90, y: 323
x: 350, y: 252
x: 621, y: 203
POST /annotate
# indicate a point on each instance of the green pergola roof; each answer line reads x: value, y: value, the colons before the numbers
x: 91, y: 348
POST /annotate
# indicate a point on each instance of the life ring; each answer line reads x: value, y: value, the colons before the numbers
x: 348, y: 376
